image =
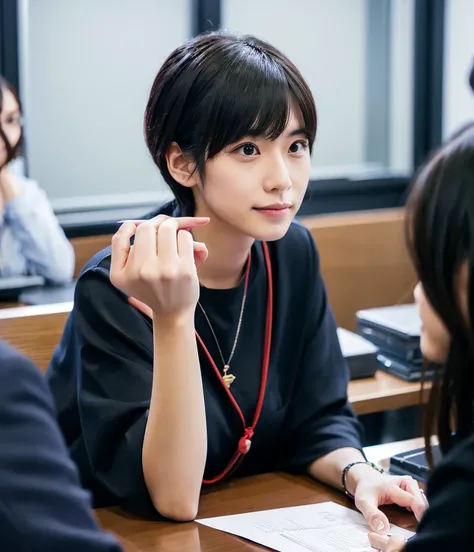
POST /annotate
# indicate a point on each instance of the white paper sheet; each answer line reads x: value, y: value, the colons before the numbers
x: 324, y: 527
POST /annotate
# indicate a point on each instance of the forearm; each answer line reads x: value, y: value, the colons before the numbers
x: 9, y: 187
x: 328, y: 469
x: 175, y: 442
x: 43, y: 243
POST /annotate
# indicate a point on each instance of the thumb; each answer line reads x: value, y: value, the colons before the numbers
x: 395, y: 543
x: 376, y: 519
x: 200, y: 253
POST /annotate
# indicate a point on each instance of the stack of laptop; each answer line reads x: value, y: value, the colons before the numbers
x: 396, y: 332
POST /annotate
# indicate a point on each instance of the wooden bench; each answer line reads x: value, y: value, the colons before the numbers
x: 364, y: 261
x: 34, y: 330
x: 87, y: 247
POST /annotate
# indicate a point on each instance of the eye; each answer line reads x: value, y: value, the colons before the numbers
x: 13, y: 120
x: 299, y: 147
x: 248, y: 150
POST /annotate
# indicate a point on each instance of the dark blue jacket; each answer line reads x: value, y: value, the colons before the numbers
x: 42, y: 506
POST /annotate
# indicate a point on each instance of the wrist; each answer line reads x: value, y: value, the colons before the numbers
x: 174, y: 322
x: 354, y: 473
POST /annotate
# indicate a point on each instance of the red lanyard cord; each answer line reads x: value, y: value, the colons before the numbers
x: 242, y: 448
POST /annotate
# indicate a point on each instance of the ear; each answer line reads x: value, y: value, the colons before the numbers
x: 181, y: 167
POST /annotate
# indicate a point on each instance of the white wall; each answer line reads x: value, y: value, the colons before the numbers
x: 86, y: 69
x: 458, y: 102
x: 326, y: 41
x: 402, y: 61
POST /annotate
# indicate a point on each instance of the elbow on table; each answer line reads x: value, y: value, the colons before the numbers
x: 176, y: 508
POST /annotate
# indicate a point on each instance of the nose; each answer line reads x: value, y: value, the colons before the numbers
x: 277, y: 176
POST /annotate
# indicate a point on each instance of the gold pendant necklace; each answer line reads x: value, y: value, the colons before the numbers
x: 227, y: 377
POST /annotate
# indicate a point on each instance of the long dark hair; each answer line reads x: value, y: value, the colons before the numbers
x: 13, y: 150
x: 440, y: 234
x: 215, y: 89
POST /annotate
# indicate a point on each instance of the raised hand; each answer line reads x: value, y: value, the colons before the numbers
x: 159, y: 270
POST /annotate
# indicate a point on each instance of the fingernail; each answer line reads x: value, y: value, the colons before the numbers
x: 379, y: 526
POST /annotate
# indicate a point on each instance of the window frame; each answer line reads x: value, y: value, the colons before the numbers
x: 325, y: 195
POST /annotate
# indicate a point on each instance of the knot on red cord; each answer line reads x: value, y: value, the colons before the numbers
x: 245, y: 441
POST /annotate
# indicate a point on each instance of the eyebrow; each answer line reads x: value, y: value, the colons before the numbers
x: 298, y: 132
x: 15, y: 111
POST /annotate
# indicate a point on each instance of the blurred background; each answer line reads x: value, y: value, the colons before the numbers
x: 390, y: 79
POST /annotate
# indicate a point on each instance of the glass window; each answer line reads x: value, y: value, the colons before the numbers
x: 87, y: 67
x: 357, y: 56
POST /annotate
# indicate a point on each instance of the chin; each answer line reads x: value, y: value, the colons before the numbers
x: 432, y: 351
x: 273, y: 232
x: 269, y: 229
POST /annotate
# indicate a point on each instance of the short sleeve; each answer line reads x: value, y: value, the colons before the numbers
x: 114, y: 387
x: 320, y: 418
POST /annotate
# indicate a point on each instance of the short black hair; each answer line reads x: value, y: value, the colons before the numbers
x: 13, y: 150
x: 215, y: 89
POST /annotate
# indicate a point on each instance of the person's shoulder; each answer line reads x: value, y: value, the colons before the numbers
x: 15, y: 369
x: 99, y: 261
x: 9, y: 356
x: 93, y: 289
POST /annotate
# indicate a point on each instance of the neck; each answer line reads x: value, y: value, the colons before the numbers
x: 228, y: 253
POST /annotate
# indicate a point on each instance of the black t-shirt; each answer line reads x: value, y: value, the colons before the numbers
x: 101, y: 374
x: 448, y: 522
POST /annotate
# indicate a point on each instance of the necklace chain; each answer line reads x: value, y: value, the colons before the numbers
x: 228, y: 378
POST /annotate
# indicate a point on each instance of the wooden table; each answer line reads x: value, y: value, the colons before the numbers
x: 385, y: 392
x: 250, y: 494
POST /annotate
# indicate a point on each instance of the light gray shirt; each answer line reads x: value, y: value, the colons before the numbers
x: 31, y: 239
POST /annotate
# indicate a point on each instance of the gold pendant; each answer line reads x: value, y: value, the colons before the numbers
x: 228, y: 378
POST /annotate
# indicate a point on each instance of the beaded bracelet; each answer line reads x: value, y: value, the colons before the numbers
x: 345, y: 471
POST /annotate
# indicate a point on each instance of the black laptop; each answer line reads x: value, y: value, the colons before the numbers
x: 49, y: 294
x: 414, y: 463
x: 394, y: 330
x: 11, y: 287
x: 360, y: 354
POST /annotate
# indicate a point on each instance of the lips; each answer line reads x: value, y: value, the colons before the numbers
x: 274, y: 207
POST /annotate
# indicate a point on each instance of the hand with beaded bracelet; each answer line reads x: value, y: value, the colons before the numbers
x: 371, y: 488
